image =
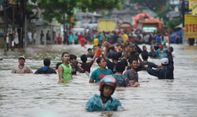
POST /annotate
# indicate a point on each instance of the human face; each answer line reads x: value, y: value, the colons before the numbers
x: 95, y: 48
x: 135, y: 64
x: 144, y: 48
x: 107, y: 90
x: 103, y: 63
x: 21, y: 62
x: 66, y: 58
x: 118, y: 48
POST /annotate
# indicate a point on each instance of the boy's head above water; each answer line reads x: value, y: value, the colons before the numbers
x: 107, y: 86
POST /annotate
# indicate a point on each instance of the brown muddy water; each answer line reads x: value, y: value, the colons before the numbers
x: 30, y: 95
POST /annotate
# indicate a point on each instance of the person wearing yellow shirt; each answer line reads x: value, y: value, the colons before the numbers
x: 96, y: 41
x: 125, y: 38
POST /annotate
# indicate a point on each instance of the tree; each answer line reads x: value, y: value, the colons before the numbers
x: 14, y: 16
x: 173, y: 23
x: 154, y: 5
x: 59, y: 8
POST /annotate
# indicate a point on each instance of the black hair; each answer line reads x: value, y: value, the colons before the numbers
x: 64, y: 53
x: 99, y: 45
x: 120, y: 67
x: 98, y: 60
x: 115, y: 56
x: 72, y: 56
x: 89, y: 49
x: 47, y: 62
x: 143, y: 47
x: 83, y: 58
x: 144, y: 55
x: 171, y: 49
x: 131, y: 59
x: 57, y: 65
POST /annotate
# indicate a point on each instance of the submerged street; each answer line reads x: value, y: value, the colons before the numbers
x: 31, y: 95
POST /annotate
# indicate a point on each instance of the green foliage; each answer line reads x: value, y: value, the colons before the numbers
x: 58, y: 8
x: 104, y: 4
x: 162, y: 14
x: 155, y: 5
x: 173, y: 23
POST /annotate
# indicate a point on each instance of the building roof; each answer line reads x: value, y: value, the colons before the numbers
x: 152, y: 20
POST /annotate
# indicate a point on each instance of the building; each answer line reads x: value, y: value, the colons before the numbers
x: 176, y: 12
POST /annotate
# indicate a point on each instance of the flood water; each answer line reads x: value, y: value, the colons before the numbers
x: 30, y: 95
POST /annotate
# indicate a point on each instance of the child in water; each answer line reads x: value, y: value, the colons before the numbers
x: 65, y: 69
x: 104, y: 101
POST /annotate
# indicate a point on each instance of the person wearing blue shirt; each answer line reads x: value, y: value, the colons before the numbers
x: 46, y: 69
x: 100, y: 72
x: 104, y: 101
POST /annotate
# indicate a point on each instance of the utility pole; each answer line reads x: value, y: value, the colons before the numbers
x: 22, y: 6
x: 183, y: 12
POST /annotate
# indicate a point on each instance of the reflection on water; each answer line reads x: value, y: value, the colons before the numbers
x: 30, y: 95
